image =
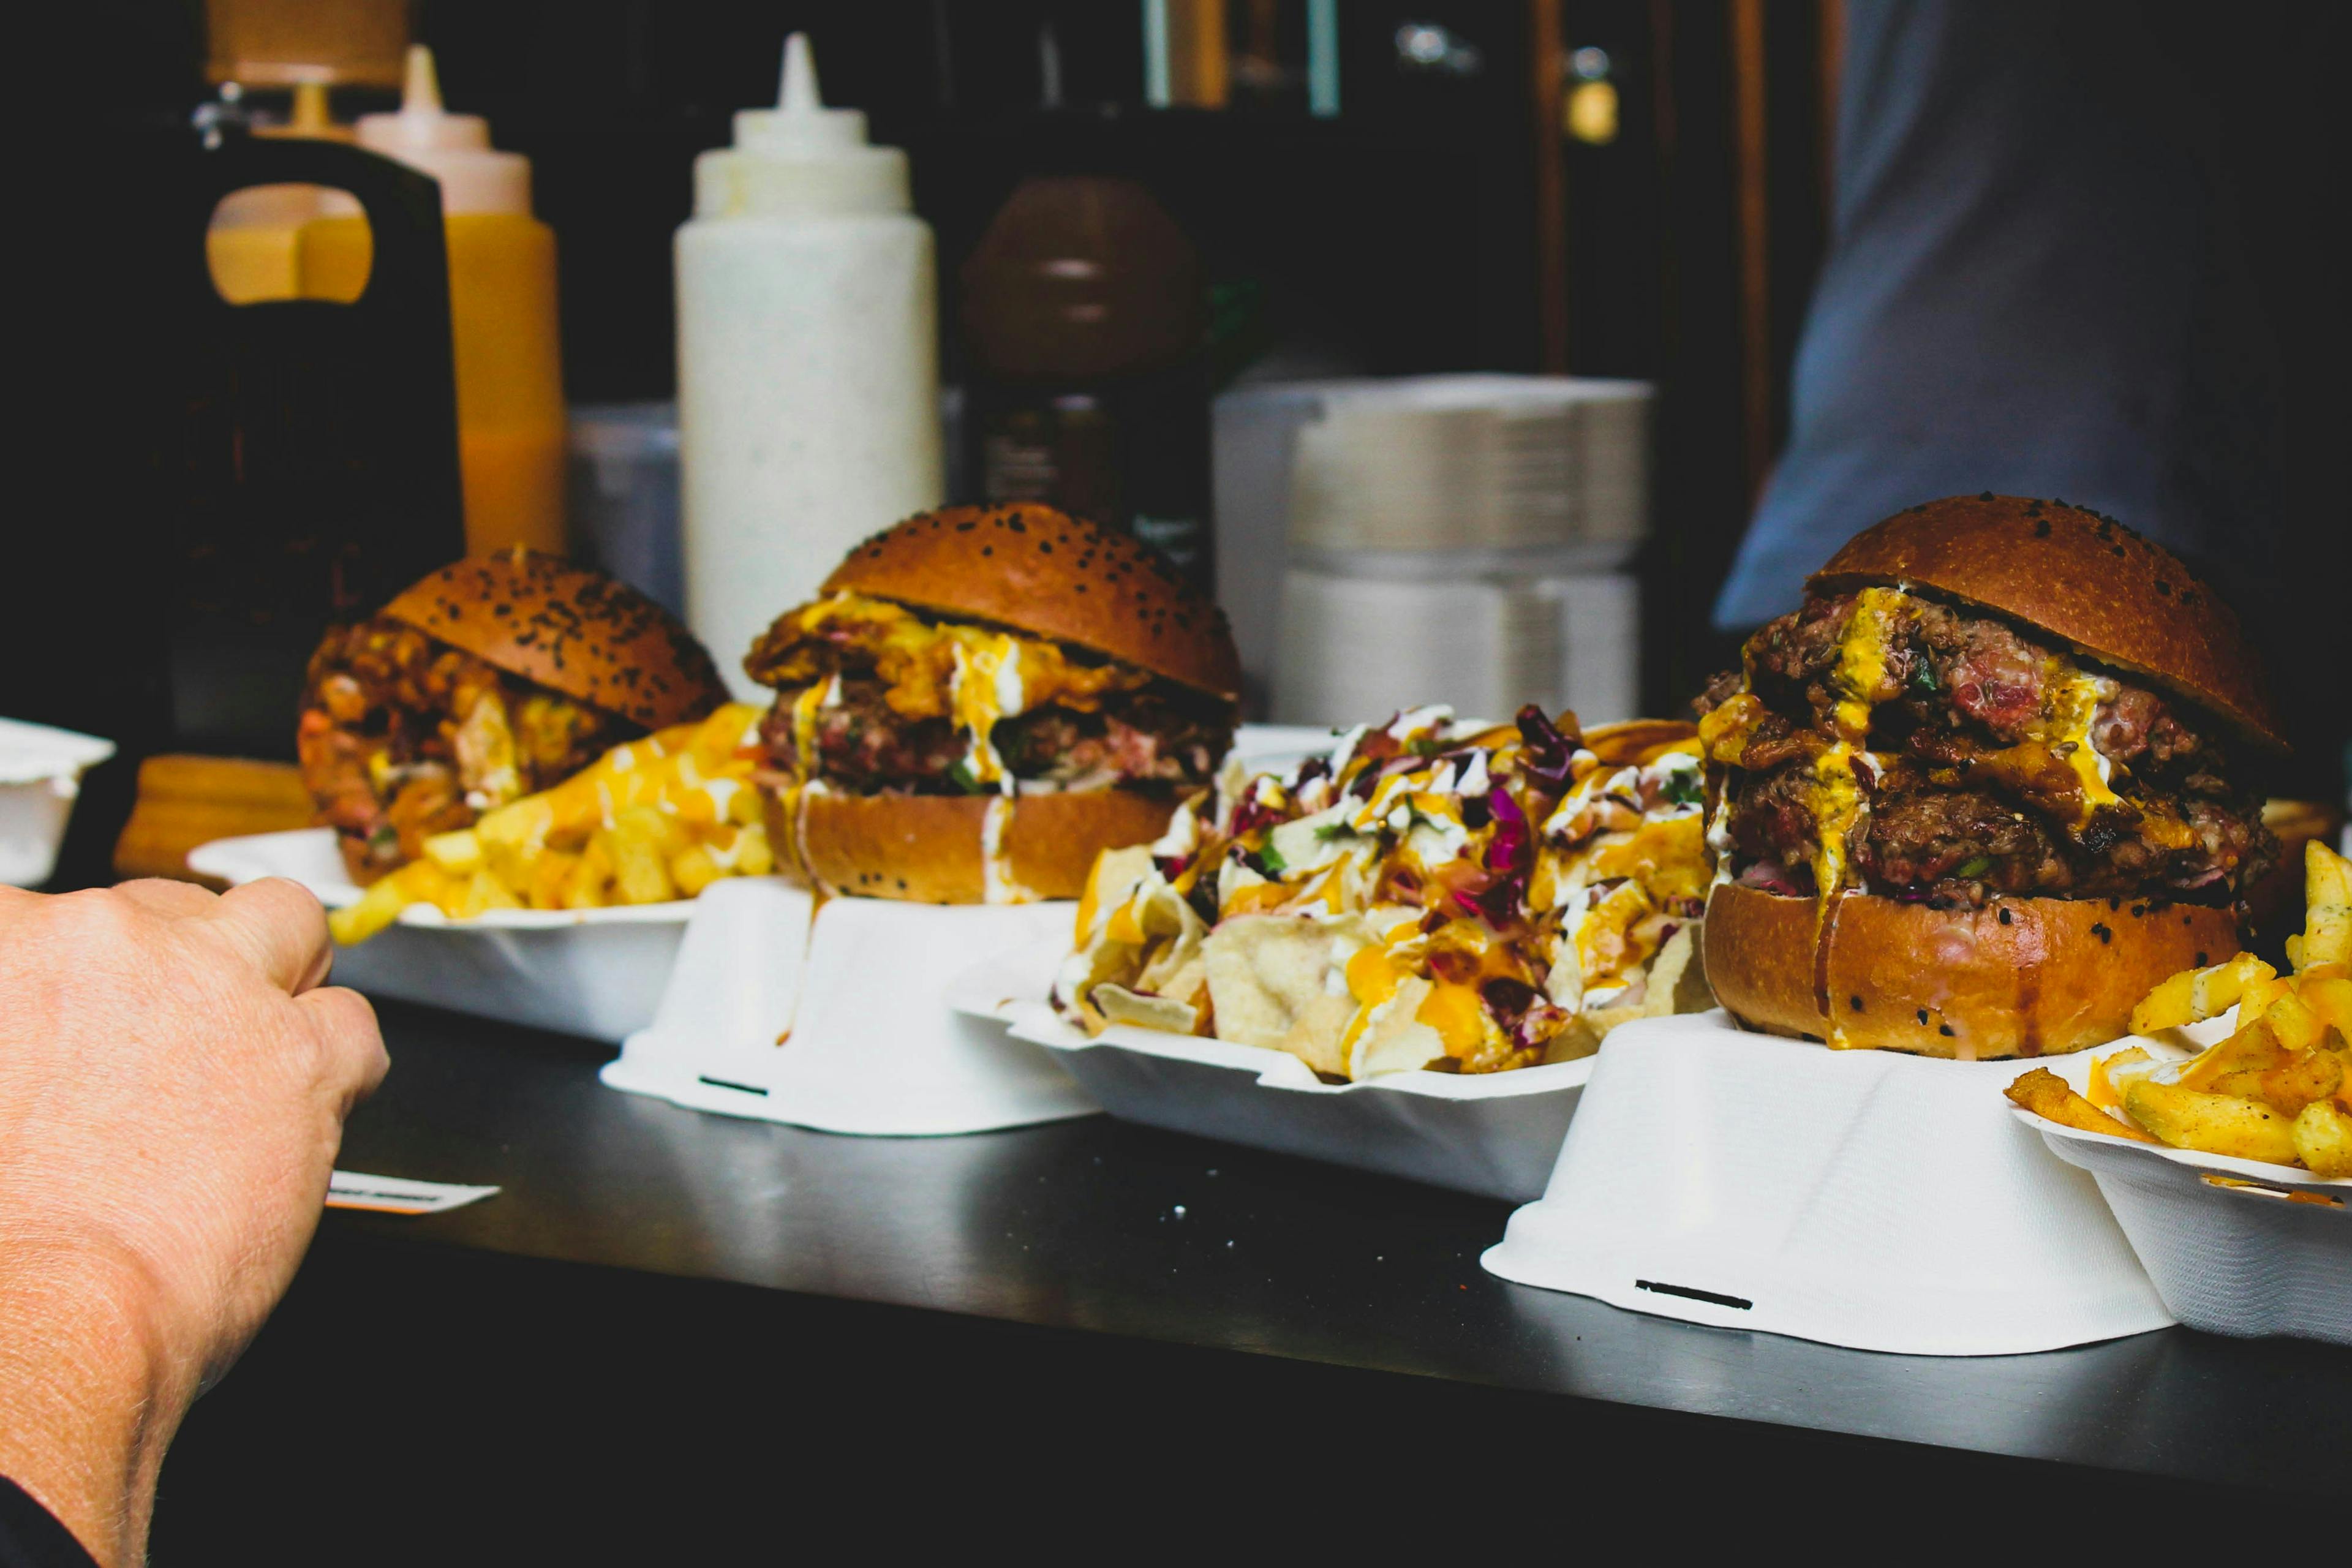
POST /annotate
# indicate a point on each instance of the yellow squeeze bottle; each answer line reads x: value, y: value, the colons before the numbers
x: 502, y: 311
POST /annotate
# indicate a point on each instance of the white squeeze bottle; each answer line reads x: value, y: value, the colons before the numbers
x: 807, y: 360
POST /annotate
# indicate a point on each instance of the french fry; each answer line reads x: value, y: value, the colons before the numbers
x: 483, y: 893
x: 2307, y: 1077
x: 2103, y: 1091
x: 2323, y: 1138
x: 2330, y: 999
x: 2194, y: 995
x: 2211, y: 1123
x: 376, y: 909
x: 2252, y: 1050
x: 458, y: 853
x: 2048, y: 1096
x: 655, y: 819
x: 2292, y: 1023
x: 2328, y: 908
x: 640, y: 876
x: 693, y: 869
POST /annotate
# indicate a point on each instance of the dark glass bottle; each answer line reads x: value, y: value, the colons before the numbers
x: 1086, y: 386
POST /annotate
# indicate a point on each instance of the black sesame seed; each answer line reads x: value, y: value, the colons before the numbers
x: 1855, y: 1002
x: 1986, y: 496
x: 2040, y: 528
x: 1923, y: 1014
x: 2004, y: 917
x: 2103, y: 934
x: 1944, y: 1030
x: 2201, y: 961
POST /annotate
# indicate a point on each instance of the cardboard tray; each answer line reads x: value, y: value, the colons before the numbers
x: 2235, y: 1246
x: 834, y: 1015
x: 1495, y: 1134
x: 594, y: 973
x: 1860, y: 1198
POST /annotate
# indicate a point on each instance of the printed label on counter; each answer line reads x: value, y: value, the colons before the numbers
x: 396, y: 1194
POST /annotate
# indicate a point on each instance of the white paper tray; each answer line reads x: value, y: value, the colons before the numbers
x: 596, y: 973
x: 837, y: 1017
x: 2228, y: 1259
x: 1493, y: 1133
x: 1860, y: 1198
x: 40, y: 778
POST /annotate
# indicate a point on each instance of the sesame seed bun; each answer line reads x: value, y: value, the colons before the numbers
x: 2020, y: 977
x: 571, y: 629
x: 2080, y: 576
x: 1039, y: 571
x: 933, y: 849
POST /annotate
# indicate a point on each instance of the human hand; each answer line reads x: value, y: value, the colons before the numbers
x: 174, y: 1080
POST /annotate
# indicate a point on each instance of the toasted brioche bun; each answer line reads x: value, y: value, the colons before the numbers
x: 932, y: 848
x: 571, y: 629
x: 1037, y: 571
x: 2044, y: 981
x: 2083, y: 578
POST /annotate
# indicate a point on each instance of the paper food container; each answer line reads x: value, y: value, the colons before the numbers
x: 2235, y: 1246
x: 40, y: 778
x: 1860, y: 1198
x: 1495, y: 1134
x: 834, y: 1015
x: 594, y: 973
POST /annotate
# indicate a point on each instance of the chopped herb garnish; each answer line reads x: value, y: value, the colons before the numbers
x: 1685, y: 789
x: 963, y: 778
x: 1976, y: 867
x: 1923, y: 676
x: 1270, y: 861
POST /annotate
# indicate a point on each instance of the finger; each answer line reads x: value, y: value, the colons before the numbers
x: 281, y: 928
x: 346, y: 1026
x: 174, y: 900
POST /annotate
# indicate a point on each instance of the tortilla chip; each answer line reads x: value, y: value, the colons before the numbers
x: 1121, y: 1005
x: 1115, y: 877
x: 1395, y: 1040
x: 1279, y: 982
x: 1678, y: 976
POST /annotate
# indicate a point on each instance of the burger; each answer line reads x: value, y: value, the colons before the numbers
x: 489, y: 680
x: 981, y: 699
x: 1984, y: 788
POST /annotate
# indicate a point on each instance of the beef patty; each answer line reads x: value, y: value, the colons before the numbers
x: 1972, y: 774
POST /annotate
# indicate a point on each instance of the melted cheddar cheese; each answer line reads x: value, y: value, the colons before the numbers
x: 973, y: 676
x: 1838, y: 800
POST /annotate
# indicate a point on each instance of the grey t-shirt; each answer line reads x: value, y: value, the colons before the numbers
x: 2041, y: 282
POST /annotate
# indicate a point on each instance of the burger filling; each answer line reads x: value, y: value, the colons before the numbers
x: 874, y: 696
x: 403, y: 736
x: 1883, y: 742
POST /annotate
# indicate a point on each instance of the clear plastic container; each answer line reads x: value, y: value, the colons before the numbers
x: 622, y: 493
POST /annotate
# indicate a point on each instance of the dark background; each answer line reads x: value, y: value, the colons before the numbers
x: 1441, y: 221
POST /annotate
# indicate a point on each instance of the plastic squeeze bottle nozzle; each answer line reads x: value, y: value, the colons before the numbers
x: 807, y: 360
x: 502, y: 310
